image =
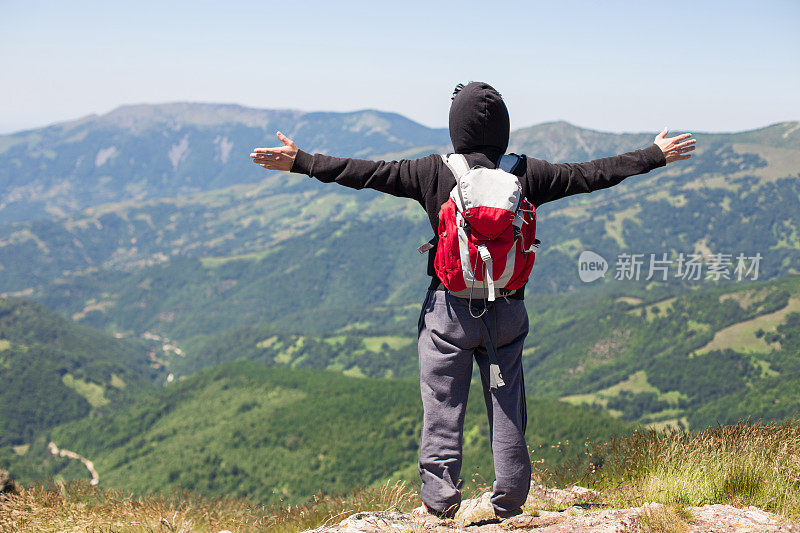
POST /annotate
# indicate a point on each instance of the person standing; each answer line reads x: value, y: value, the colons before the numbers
x: 449, y: 335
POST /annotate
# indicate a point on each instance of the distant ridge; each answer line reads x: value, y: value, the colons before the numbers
x: 220, y: 113
x: 142, y: 151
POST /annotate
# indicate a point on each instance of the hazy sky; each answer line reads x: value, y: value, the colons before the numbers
x: 608, y: 65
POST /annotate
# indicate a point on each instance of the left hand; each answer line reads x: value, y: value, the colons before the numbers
x: 675, y: 148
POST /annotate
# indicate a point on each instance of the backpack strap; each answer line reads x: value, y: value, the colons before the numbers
x: 488, y: 325
x: 457, y: 164
x: 509, y: 162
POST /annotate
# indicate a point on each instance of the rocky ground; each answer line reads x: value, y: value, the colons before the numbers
x: 580, y: 513
x: 8, y: 486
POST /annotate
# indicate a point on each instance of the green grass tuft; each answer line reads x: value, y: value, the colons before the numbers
x: 742, y: 464
x: 665, y: 519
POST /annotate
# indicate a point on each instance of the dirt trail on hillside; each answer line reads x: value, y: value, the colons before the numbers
x: 72, y: 455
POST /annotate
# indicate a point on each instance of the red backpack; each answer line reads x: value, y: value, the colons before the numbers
x: 487, y: 231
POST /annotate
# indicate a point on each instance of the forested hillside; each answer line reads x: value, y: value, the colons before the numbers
x: 53, y: 371
x: 146, y: 224
x: 282, y: 435
x: 157, y: 264
x: 669, y: 358
x: 698, y: 358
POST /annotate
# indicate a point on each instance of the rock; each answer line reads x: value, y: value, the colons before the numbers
x: 476, y: 509
x: 758, y: 516
x: 574, y: 499
x: 747, y: 519
x: 541, y: 496
x: 7, y: 485
x: 376, y: 521
x: 578, y: 510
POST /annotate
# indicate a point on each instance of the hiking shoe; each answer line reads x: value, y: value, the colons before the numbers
x: 508, y: 514
x: 424, y: 510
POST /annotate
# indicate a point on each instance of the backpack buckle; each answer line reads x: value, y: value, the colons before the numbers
x: 486, y: 257
x: 533, y: 247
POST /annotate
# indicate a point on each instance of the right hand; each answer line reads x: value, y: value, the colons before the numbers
x: 277, y: 158
x: 673, y: 148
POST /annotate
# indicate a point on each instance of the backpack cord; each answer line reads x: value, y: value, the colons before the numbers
x: 489, y: 333
x: 485, y: 304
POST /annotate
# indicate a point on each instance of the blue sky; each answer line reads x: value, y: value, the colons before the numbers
x: 614, y: 66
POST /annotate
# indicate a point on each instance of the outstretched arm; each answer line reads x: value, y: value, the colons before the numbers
x: 546, y: 182
x: 406, y: 178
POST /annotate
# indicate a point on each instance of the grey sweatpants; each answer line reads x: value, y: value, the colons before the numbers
x: 449, y: 338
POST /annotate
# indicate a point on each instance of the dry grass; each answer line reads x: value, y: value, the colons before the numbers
x: 664, y: 519
x: 77, y: 506
x: 743, y: 464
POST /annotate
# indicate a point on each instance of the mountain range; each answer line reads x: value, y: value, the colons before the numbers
x: 151, y: 151
x: 739, y: 194
x: 142, y: 254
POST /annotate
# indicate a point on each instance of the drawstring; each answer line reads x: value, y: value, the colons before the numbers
x: 485, y: 305
x: 489, y: 333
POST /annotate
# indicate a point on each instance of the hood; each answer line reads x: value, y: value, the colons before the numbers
x: 479, y: 121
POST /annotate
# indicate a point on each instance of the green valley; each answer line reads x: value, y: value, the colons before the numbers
x: 654, y: 359
x: 282, y: 435
x: 190, y: 321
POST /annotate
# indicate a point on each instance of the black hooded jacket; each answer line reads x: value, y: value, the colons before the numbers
x: 479, y: 129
